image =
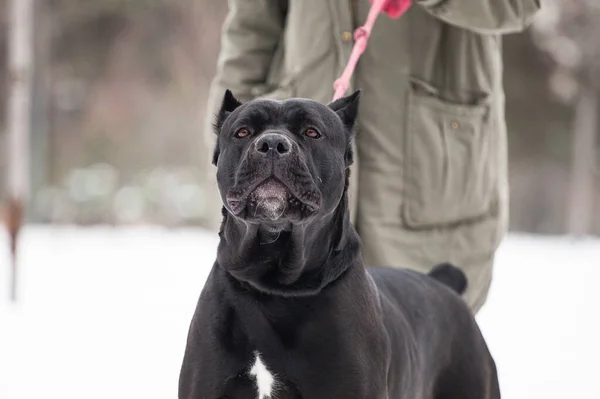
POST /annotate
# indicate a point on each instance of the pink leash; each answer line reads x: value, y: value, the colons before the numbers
x: 394, y: 9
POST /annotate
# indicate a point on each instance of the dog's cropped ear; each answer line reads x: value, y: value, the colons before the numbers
x: 216, y: 153
x: 347, y: 109
x: 228, y: 105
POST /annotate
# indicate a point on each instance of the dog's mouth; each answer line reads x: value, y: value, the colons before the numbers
x: 271, y: 200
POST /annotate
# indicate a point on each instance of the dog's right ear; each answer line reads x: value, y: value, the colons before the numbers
x: 228, y: 105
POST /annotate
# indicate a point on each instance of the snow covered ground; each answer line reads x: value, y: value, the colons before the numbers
x: 104, y: 313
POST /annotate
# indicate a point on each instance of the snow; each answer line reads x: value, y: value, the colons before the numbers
x: 104, y: 312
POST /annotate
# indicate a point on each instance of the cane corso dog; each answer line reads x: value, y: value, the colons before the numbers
x: 289, y: 310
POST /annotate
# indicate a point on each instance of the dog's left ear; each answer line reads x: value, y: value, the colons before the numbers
x: 347, y: 109
x: 228, y: 105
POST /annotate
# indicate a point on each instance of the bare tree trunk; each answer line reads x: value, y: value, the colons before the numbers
x: 40, y: 112
x: 19, y: 66
x: 583, y: 163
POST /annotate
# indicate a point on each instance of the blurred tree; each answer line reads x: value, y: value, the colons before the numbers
x: 3, y: 76
x: 17, y: 147
x: 538, y: 128
x: 568, y: 31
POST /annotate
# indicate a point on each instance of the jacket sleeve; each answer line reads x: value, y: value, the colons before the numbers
x: 484, y: 16
x: 250, y: 36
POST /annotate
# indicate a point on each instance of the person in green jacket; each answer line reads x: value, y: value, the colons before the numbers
x: 430, y: 181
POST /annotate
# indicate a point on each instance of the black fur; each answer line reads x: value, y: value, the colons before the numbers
x: 289, y: 282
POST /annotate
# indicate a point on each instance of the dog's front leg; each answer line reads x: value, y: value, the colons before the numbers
x: 340, y: 382
x: 198, y: 380
x: 206, y: 366
x: 347, y: 390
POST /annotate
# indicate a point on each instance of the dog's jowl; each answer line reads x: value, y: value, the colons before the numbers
x: 289, y: 310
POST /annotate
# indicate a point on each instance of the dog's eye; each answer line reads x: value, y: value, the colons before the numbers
x: 312, y: 133
x: 242, y: 133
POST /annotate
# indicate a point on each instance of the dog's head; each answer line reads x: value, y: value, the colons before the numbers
x: 282, y: 162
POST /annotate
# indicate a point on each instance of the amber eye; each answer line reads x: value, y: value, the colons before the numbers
x: 312, y: 133
x: 242, y: 133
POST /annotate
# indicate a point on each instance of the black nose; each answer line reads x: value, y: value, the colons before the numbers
x: 273, y: 144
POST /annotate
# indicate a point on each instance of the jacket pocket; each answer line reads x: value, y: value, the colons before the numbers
x: 450, y: 175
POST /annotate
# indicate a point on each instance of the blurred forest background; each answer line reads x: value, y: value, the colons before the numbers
x: 119, y: 94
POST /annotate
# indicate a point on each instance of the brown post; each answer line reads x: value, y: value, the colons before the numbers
x: 20, y: 54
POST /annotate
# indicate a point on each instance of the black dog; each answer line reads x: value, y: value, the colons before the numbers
x: 288, y: 310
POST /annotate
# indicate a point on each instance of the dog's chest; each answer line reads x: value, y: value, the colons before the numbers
x: 263, y: 378
x: 261, y: 381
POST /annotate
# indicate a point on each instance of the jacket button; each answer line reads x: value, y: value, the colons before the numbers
x: 455, y: 125
x: 347, y: 36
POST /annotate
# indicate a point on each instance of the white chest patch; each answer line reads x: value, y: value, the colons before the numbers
x: 264, y: 380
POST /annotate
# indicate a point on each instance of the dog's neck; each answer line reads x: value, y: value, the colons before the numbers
x: 295, y: 260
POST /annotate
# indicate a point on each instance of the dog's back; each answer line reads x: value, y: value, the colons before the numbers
x: 428, y: 322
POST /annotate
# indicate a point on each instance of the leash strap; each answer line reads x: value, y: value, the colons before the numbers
x: 394, y: 9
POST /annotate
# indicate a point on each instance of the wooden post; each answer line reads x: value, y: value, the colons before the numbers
x: 583, y: 163
x: 20, y: 54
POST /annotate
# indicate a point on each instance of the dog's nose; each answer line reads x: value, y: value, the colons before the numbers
x: 274, y: 144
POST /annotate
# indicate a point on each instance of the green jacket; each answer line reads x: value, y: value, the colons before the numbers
x: 281, y: 48
x: 449, y: 48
